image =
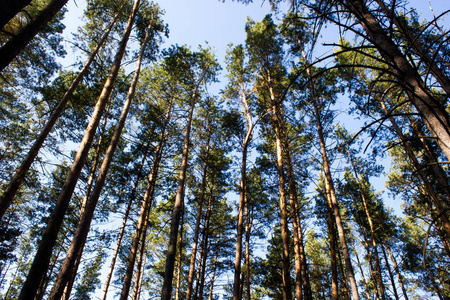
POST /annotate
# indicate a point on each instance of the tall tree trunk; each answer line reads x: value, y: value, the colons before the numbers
x: 363, y: 278
x: 180, y: 258
x: 166, y: 292
x: 248, y: 228
x: 213, y: 277
x: 19, y: 175
x: 391, y: 275
x: 429, y: 108
x: 145, y: 209
x: 422, y: 175
x: 301, y: 269
x: 138, y: 283
x: 416, y: 43
x: 17, y: 43
x: 333, y: 247
x: 122, y: 228
x: 8, y: 9
x: 330, y: 187
x: 205, y: 249
x: 397, y: 272
x: 86, y: 218
x: 197, y: 223
x: 242, y: 195
x: 378, y: 275
x: 73, y: 272
x: 276, y: 123
x: 40, y: 262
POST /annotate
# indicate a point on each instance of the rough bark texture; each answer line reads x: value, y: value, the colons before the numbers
x: 16, y: 44
x: 47, y: 243
x: 11, y: 190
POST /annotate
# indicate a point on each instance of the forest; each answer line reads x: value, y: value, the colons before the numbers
x: 124, y: 175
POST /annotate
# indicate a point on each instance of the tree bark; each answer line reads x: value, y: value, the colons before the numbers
x: 166, y: 292
x: 197, y: 224
x: 391, y: 275
x: 242, y: 194
x: 17, y: 43
x: 8, y: 10
x: 330, y: 187
x: 122, y: 228
x: 47, y: 243
x: 429, y: 108
x: 397, y: 272
x: 205, y: 249
x: 10, y: 191
x: 86, y: 218
x: 287, y: 295
x: 378, y: 276
x: 416, y: 43
x: 180, y: 258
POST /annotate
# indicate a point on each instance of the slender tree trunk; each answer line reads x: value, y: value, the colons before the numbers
x: 378, y: 276
x: 248, y: 228
x: 138, y: 283
x: 242, y: 196
x: 330, y: 186
x: 19, y: 175
x: 362, y: 273
x: 145, y: 208
x: 397, y: 272
x: 47, y: 243
x: 333, y: 247
x: 180, y: 258
x: 166, y: 292
x: 8, y: 9
x: 391, y: 275
x: 213, y: 277
x: 17, y: 43
x: 73, y: 272
x: 86, y: 218
x: 301, y: 270
x: 420, y: 171
x: 205, y: 249
x: 276, y: 123
x: 429, y: 108
x: 197, y: 224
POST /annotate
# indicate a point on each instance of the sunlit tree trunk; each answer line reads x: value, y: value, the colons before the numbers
x: 166, y: 292
x: 282, y: 197
x: 242, y: 195
x: 248, y: 228
x: 122, y: 228
x: 378, y: 276
x: 41, y: 260
x: 197, y: 223
x: 19, y: 175
x: 86, y: 218
x: 145, y: 209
